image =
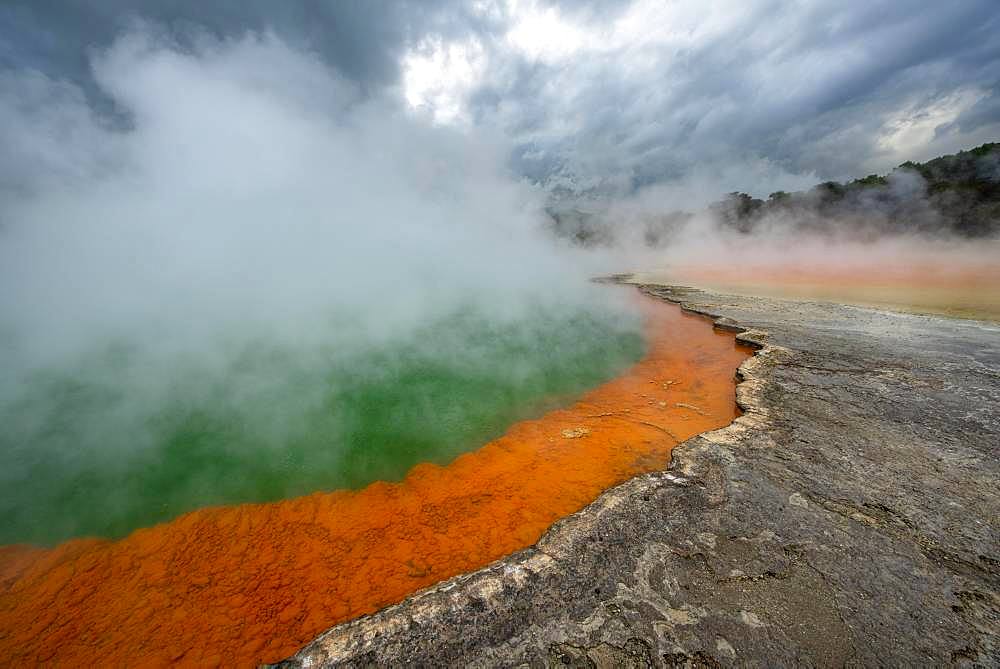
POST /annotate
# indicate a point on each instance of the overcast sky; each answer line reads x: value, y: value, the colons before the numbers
x: 613, y: 95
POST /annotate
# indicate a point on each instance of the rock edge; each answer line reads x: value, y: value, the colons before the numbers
x: 816, y: 529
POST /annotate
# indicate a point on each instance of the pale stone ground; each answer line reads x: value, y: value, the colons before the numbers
x: 848, y: 518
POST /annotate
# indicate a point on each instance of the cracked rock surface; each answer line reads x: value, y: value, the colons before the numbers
x: 848, y: 518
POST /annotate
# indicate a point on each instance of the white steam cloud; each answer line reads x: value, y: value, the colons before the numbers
x: 243, y: 182
x: 238, y: 278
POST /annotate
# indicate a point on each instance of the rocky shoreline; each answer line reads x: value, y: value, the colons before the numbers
x: 848, y: 517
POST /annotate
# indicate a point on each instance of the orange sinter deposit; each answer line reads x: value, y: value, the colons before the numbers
x: 245, y: 584
x: 944, y: 280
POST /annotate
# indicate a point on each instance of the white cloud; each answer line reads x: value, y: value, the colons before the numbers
x: 543, y: 33
x: 438, y: 76
x: 908, y: 131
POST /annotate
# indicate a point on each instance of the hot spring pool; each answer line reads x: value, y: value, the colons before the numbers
x: 254, y: 582
x: 121, y: 438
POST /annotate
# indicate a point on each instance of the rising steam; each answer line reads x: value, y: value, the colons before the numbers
x: 234, y: 241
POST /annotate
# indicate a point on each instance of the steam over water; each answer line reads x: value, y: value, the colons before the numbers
x: 113, y: 443
x: 246, y: 280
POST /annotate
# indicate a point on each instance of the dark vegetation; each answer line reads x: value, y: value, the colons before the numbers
x: 954, y: 195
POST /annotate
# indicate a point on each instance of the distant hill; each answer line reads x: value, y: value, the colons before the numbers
x: 954, y: 194
x: 951, y: 195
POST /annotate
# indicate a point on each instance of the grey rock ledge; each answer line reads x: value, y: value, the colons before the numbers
x: 847, y: 518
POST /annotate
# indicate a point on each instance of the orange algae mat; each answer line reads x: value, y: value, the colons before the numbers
x: 245, y: 584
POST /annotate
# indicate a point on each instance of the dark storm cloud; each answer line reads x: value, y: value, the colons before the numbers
x: 363, y: 39
x: 806, y: 90
x: 813, y: 88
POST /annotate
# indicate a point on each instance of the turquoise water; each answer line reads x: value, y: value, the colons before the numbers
x: 117, y: 440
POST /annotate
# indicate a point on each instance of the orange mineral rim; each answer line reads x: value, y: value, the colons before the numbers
x: 251, y: 583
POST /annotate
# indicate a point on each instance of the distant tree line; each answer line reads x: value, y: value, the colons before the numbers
x: 957, y: 194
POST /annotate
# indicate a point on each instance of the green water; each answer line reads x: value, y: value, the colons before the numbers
x: 117, y: 440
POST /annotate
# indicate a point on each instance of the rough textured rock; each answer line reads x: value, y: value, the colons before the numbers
x: 849, y: 517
